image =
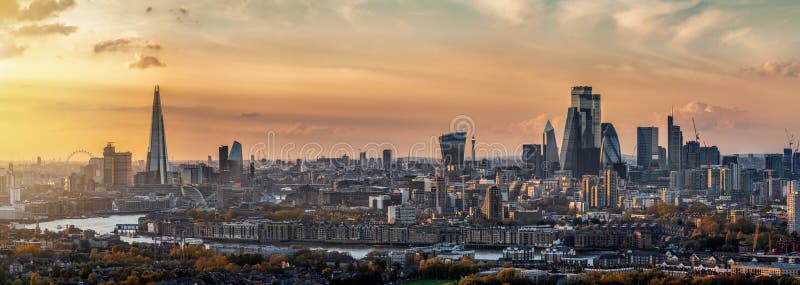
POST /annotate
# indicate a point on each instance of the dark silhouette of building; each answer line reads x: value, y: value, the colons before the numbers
x: 691, y: 155
x: 646, y: 146
x: 387, y: 159
x: 581, y: 145
x: 532, y: 159
x: 550, y: 149
x: 674, y: 144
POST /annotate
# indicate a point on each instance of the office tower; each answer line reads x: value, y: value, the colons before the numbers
x: 224, y: 198
x: 674, y: 144
x: 550, y: 149
x: 235, y: 162
x: 194, y: 174
x: 571, y: 141
x: 452, y: 146
x: 532, y: 158
x: 15, y: 196
x: 796, y: 163
x: 662, y: 157
x: 646, y: 146
x: 223, y: 158
x: 747, y: 180
x: 787, y: 163
x: 675, y: 181
x: 719, y: 180
x: 611, y: 187
x: 728, y: 160
x: 709, y: 155
x: 5, y: 184
x: 117, y: 167
x: 774, y: 162
x: 38, y: 161
x: 493, y: 204
x: 581, y: 144
x: 589, y: 106
x: 735, y: 178
x: 157, y: 166
x: 691, y: 155
x: 362, y: 160
x: 590, y: 191
x: 610, y: 149
x: 387, y: 159
x: 792, y: 207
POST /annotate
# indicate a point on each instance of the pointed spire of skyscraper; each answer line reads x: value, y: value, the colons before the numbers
x: 157, y: 166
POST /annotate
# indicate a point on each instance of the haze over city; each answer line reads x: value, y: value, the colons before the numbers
x: 76, y: 74
x: 403, y: 142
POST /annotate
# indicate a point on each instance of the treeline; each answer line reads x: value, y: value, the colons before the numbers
x: 655, y: 277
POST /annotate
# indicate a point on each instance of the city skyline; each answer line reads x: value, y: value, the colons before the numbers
x: 715, y: 61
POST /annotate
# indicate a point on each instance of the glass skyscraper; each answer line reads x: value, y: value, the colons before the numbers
x: 646, y: 146
x: 610, y: 149
x: 157, y: 165
x: 550, y: 148
x: 452, y: 146
x: 580, y: 152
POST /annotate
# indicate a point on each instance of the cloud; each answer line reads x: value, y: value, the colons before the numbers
x: 43, y: 9
x: 735, y: 35
x: 698, y: 25
x: 124, y: 45
x: 645, y: 16
x: 46, y: 29
x: 301, y: 129
x: 250, y: 115
x: 711, y: 117
x: 144, y: 62
x: 8, y: 9
x: 513, y: 12
x: 789, y: 68
x: 533, y: 127
x: 9, y: 49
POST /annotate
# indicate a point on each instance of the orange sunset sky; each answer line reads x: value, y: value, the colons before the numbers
x: 75, y: 74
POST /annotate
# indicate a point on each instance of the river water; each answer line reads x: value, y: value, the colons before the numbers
x: 105, y: 225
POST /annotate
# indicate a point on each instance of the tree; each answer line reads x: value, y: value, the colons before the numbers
x: 34, y: 278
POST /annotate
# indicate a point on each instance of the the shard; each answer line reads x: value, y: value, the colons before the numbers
x: 157, y: 166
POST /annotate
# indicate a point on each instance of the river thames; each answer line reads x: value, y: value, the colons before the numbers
x: 105, y: 225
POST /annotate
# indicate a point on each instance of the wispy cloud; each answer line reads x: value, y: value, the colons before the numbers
x: 9, y: 48
x: 125, y: 45
x: 250, y: 115
x: 43, y: 9
x: 512, y: 12
x: 46, y: 29
x: 649, y: 15
x: 787, y: 68
x: 699, y: 25
x: 713, y: 117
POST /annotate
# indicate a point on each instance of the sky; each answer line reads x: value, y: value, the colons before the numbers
x: 322, y: 77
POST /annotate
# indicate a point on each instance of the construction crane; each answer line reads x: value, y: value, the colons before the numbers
x: 790, y: 139
x: 696, y: 134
